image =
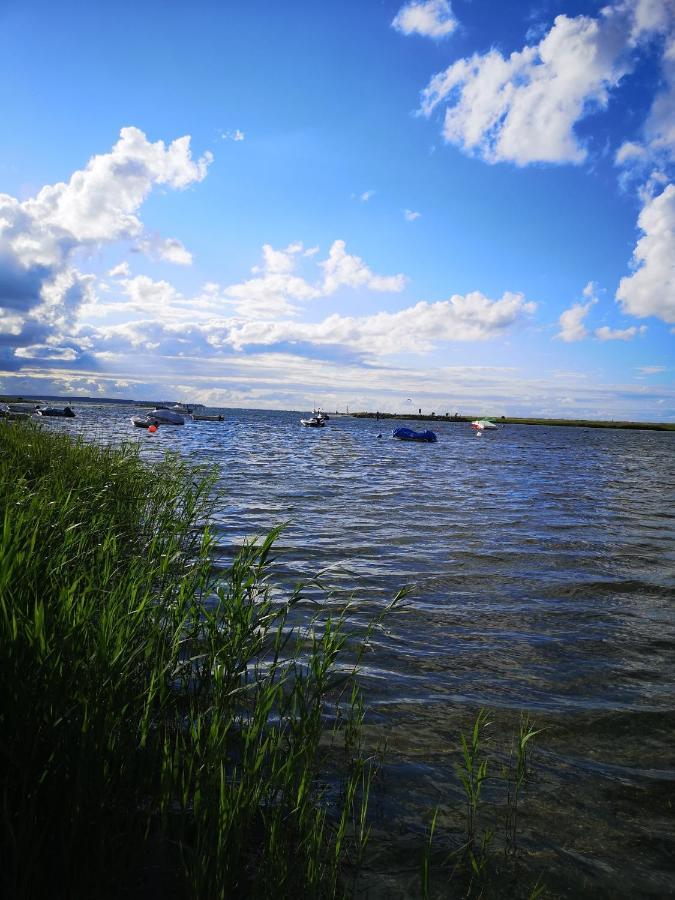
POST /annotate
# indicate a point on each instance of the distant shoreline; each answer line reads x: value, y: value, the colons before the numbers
x: 502, y: 420
x: 514, y: 420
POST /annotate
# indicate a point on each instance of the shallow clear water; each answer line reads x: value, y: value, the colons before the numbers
x: 542, y: 566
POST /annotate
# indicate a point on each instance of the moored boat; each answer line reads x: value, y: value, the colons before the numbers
x: 23, y: 408
x: 313, y: 422
x: 409, y: 434
x: 165, y: 416
x: 65, y: 413
x: 143, y: 421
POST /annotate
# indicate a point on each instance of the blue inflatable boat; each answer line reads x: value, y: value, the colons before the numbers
x: 407, y: 434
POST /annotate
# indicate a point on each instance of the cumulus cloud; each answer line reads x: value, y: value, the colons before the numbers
x: 654, y: 152
x: 119, y: 271
x: 410, y: 215
x: 619, y: 334
x: 341, y: 269
x: 650, y: 290
x: 10, y: 324
x: 366, y: 195
x: 417, y: 329
x: 45, y: 351
x: 100, y: 202
x: 98, y: 205
x: 429, y: 18
x: 572, y: 327
x: 277, y: 289
x: 167, y: 249
x: 523, y: 108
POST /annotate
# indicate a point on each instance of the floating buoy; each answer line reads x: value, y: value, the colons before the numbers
x: 152, y: 429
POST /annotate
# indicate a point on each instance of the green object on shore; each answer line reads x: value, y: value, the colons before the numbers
x: 163, y: 733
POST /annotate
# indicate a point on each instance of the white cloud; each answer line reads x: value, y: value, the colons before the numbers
x: 99, y: 202
x: 410, y: 215
x: 45, y: 351
x: 571, y: 322
x: 344, y: 270
x: 235, y: 135
x: 523, y: 108
x: 651, y: 370
x: 619, y: 334
x: 168, y: 249
x: 650, y: 290
x: 98, y: 205
x: 277, y: 289
x: 416, y: 329
x: 430, y: 18
x: 630, y: 152
x: 120, y: 271
x: 10, y: 324
x: 366, y: 195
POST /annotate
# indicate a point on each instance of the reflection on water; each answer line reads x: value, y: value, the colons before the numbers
x: 541, y: 563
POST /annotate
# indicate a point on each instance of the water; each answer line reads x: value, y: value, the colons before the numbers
x: 541, y: 563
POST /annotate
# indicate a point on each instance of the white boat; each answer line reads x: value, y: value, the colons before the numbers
x: 313, y: 422
x: 24, y: 407
x: 165, y: 416
x: 143, y: 421
x: 483, y: 425
x: 187, y: 409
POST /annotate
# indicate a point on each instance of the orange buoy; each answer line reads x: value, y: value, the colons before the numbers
x: 152, y: 429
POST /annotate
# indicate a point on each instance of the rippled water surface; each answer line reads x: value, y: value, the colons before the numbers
x: 541, y: 562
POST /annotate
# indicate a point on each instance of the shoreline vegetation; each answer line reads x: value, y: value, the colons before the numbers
x: 512, y: 420
x: 175, y: 729
x: 164, y: 733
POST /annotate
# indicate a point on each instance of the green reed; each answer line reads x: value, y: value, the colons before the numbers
x: 470, y: 862
x: 161, y: 734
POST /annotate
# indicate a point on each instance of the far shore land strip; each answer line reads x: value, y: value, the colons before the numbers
x: 418, y: 417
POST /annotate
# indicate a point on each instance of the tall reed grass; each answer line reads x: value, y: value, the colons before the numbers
x: 160, y: 734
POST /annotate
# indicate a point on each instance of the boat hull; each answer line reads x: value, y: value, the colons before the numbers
x: 65, y: 413
x: 408, y: 434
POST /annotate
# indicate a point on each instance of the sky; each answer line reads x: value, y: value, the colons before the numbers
x: 453, y: 206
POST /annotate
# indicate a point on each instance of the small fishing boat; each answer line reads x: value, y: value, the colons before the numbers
x: 313, y: 422
x: 483, y: 425
x: 408, y: 434
x: 65, y: 413
x: 23, y: 408
x: 165, y: 416
x: 143, y: 421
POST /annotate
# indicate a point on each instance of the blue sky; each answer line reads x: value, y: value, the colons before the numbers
x: 455, y: 206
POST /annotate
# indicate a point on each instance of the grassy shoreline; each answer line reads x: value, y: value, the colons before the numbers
x: 164, y: 734
x: 167, y: 733
x: 513, y: 420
